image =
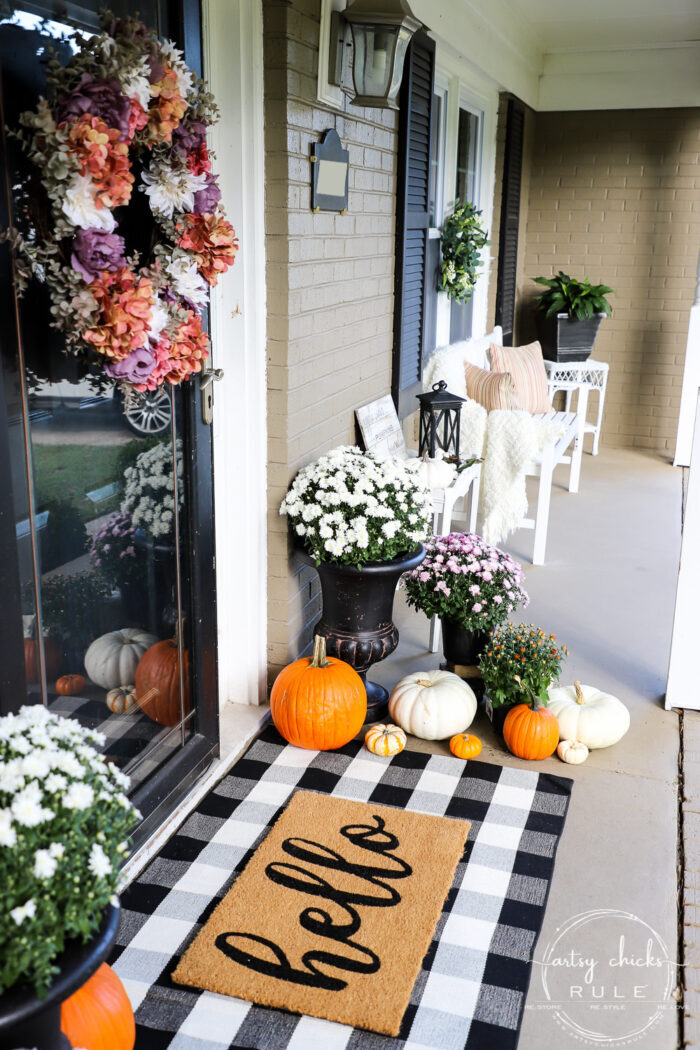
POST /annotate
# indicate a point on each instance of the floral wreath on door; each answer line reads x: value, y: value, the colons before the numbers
x: 122, y: 138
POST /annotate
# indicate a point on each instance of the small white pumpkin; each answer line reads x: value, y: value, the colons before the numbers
x: 432, y: 705
x: 113, y: 658
x: 572, y: 751
x: 121, y: 700
x: 435, y: 473
x: 589, y: 716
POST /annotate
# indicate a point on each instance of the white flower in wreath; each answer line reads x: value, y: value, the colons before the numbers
x: 186, y: 279
x: 159, y: 319
x: 80, y: 206
x: 134, y: 83
x: 176, y: 61
x: 171, y: 189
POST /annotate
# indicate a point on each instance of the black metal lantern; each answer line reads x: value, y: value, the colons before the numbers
x: 440, y: 413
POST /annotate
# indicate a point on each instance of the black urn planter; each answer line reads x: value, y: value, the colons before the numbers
x: 565, y: 338
x: 28, y: 1021
x: 156, y: 591
x: 357, y: 616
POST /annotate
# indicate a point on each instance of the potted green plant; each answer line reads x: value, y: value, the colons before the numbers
x: 359, y: 521
x: 568, y: 316
x: 64, y: 827
x: 521, y: 659
x: 471, y: 586
x: 461, y: 239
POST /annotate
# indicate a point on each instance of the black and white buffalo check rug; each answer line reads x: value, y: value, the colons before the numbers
x: 470, y: 994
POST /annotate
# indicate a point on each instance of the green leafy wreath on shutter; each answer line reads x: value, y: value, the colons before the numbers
x: 461, y: 239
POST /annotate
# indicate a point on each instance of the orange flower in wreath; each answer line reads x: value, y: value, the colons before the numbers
x: 212, y: 240
x: 178, y: 358
x: 166, y: 110
x: 104, y: 158
x: 125, y: 313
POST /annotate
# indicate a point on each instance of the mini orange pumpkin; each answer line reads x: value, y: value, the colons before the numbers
x: 465, y: 745
x: 385, y: 740
x: 157, y: 683
x: 99, y: 1015
x: 530, y: 730
x: 70, y: 684
x: 319, y: 703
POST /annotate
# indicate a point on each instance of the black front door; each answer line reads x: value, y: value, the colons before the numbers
x: 106, y: 515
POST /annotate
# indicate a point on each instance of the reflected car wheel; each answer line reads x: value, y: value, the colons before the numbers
x: 147, y: 413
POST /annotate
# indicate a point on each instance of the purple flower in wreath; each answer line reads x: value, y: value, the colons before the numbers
x: 189, y: 135
x: 134, y: 368
x: 99, y: 98
x: 95, y: 251
x: 206, y: 199
x: 156, y: 69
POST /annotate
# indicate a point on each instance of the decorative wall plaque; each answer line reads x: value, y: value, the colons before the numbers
x: 329, y: 174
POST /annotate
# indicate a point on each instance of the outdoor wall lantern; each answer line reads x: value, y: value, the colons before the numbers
x: 440, y: 413
x: 381, y: 32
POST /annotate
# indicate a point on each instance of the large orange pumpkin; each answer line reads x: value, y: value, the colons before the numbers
x: 157, y: 683
x: 70, y: 684
x: 531, y: 731
x: 319, y: 703
x: 52, y: 658
x: 99, y: 1016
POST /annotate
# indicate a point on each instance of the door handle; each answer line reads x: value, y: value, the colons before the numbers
x: 206, y: 385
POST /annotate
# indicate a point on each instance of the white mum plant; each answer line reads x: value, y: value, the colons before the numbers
x: 64, y: 826
x: 149, y: 490
x: 353, y: 508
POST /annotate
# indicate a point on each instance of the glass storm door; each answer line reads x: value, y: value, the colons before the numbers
x: 106, y: 524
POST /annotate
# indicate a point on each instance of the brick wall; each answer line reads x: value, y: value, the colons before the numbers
x: 330, y: 282
x: 615, y: 196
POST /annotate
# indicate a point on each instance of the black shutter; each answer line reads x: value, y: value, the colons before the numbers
x: 510, y: 218
x: 412, y: 223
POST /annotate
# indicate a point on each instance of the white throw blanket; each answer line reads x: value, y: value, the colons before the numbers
x: 506, y: 441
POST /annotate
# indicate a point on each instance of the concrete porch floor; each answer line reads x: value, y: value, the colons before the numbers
x: 607, y: 591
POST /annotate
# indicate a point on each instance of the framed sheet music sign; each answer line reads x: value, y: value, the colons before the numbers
x: 329, y: 174
x: 380, y: 428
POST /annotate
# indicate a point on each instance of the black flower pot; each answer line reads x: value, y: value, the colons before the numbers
x: 497, y: 715
x: 565, y: 338
x: 462, y: 649
x: 357, y: 616
x: 157, y: 588
x: 28, y: 1021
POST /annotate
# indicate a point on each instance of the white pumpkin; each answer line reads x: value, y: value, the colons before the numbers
x: 432, y: 705
x: 572, y: 751
x: 435, y: 473
x: 121, y: 700
x: 587, y: 715
x: 113, y: 658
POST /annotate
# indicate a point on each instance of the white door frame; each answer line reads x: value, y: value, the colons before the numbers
x: 233, y: 66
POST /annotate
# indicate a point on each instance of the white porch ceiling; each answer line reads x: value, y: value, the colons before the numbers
x: 570, y: 25
x: 577, y: 54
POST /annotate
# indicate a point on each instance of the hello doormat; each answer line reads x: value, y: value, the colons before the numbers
x: 334, y: 913
x: 471, y: 989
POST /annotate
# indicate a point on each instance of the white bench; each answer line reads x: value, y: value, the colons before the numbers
x: 476, y: 352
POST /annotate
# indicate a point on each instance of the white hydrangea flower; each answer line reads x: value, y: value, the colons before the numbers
x: 135, y: 84
x: 186, y: 279
x: 80, y: 206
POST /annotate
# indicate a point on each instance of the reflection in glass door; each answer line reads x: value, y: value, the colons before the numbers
x: 466, y: 189
x: 102, y: 507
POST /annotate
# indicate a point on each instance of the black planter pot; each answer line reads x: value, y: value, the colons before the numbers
x: 357, y: 616
x: 28, y: 1021
x: 566, y: 339
x: 497, y: 715
x: 462, y: 649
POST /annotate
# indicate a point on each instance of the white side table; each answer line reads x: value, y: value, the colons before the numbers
x: 443, y: 505
x: 574, y: 376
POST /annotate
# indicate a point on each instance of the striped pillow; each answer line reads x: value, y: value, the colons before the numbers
x: 525, y: 365
x: 490, y: 389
